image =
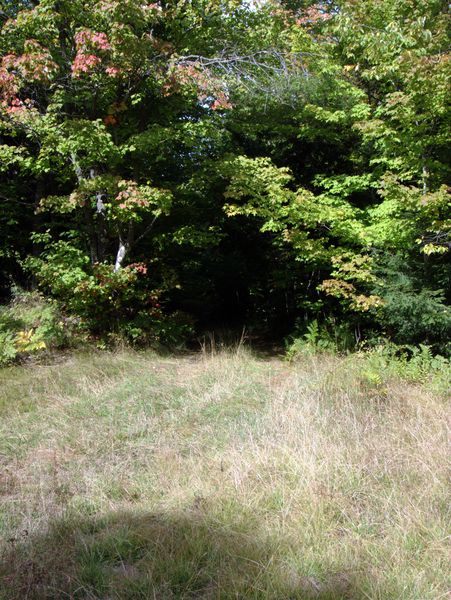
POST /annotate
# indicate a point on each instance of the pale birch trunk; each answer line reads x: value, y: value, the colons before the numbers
x: 121, y: 253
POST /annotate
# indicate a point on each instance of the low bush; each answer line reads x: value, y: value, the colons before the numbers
x: 31, y: 324
x: 408, y: 363
x: 329, y: 337
x: 114, y: 306
x: 377, y: 363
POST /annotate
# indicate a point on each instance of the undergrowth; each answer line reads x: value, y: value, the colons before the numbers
x: 32, y: 324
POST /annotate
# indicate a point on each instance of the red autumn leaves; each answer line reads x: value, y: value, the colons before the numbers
x: 34, y: 64
x: 89, y: 45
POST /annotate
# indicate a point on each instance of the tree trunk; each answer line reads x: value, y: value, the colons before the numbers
x: 124, y: 247
x: 121, y: 252
x: 87, y: 213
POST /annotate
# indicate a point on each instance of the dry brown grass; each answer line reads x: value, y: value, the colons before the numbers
x: 134, y: 476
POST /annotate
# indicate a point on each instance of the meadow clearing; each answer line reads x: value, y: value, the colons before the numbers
x: 225, y: 475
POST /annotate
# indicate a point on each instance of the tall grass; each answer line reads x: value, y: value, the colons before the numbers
x: 128, y: 476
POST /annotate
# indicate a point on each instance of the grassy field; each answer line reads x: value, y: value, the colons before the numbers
x: 134, y: 476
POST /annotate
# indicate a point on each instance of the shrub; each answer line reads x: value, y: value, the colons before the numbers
x: 115, y: 306
x: 377, y: 364
x: 8, y: 350
x: 153, y: 327
x: 415, y: 364
x: 97, y: 294
x: 329, y: 336
x: 31, y: 324
x: 414, y: 309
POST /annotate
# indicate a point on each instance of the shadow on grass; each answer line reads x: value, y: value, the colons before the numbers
x: 126, y: 556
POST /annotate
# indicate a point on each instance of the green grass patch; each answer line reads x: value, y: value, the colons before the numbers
x: 128, y: 475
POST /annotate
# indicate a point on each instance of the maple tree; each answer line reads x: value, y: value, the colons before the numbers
x: 266, y: 159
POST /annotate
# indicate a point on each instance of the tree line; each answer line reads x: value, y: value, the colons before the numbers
x: 168, y: 167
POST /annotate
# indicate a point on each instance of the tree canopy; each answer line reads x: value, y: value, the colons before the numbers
x: 226, y: 162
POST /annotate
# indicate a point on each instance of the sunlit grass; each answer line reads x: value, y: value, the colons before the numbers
x: 227, y: 476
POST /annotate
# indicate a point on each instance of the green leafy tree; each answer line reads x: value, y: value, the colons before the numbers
x: 269, y: 159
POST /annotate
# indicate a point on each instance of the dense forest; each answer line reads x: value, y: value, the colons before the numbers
x: 176, y: 167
